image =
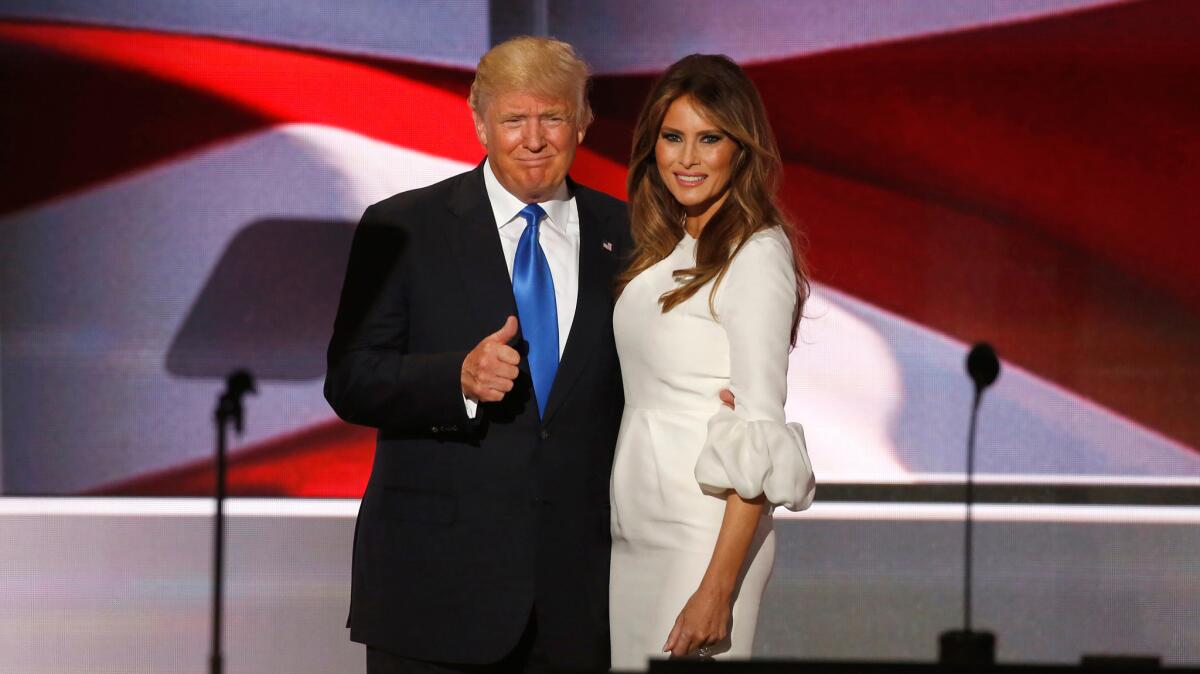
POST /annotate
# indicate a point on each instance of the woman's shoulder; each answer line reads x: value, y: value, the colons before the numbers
x: 768, y: 246
x: 763, y: 267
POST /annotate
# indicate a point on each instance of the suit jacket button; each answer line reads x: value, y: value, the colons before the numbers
x: 545, y: 434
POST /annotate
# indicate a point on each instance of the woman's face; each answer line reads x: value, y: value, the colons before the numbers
x: 695, y: 159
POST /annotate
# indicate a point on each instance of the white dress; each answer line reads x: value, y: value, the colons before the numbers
x: 679, y: 448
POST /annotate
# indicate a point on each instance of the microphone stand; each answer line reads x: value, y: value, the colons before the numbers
x: 968, y: 530
x: 229, y: 409
x: 965, y: 646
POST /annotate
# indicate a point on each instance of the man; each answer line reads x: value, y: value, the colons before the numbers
x: 475, y: 333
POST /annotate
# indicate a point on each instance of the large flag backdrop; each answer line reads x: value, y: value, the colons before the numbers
x: 180, y: 185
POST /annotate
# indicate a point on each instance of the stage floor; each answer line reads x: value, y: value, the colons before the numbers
x: 122, y: 585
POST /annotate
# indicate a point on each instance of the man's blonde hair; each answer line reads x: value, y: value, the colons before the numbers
x: 541, y: 66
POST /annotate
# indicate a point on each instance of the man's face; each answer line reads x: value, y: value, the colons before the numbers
x: 530, y: 142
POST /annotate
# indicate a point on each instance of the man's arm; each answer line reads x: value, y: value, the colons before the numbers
x: 371, y: 379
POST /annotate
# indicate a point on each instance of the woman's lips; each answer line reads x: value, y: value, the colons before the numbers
x: 690, y: 179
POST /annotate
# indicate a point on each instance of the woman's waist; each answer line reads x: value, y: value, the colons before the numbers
x: 698, y: 409
x: 683, y: 401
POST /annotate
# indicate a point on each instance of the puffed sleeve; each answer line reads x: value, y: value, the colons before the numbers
x: 753, y: 450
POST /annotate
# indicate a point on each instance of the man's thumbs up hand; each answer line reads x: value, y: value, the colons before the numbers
x: 490, y: 368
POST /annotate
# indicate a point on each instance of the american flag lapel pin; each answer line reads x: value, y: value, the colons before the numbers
x: 607, y: 245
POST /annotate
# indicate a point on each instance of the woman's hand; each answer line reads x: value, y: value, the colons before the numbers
x: 705, y: 618
x: 704, y: 621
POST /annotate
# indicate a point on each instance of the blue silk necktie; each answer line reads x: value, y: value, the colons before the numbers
x: 533, y: 288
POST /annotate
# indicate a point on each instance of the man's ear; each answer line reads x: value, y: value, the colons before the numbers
x: 480, y: 128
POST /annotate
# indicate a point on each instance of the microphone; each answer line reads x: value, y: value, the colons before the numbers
x: 983, y: 366
x: 229, y: 405
x: 241, y: 382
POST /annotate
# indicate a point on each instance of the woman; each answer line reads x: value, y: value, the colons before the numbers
x: 711, y: 301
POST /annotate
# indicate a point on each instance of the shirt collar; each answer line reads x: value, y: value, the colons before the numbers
x: 505, y: 206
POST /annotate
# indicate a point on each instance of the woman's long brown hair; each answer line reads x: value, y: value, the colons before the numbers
x: 723, y: 93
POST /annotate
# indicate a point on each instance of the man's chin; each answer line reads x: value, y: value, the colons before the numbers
x: 540, y: 187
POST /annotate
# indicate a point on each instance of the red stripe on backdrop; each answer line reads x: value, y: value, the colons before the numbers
x: 283, y: 85
x: 240, y: 87
x: 67, y: 123
x: 1047, y: 306
x: 1033, y: 185
x: 1083, y: 125
x: 328, y: 460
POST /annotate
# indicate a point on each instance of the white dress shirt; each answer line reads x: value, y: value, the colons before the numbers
x: 559, y: 237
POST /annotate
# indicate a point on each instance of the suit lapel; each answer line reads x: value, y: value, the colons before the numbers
x: 593, y: 308
x: 475, y: 241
